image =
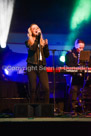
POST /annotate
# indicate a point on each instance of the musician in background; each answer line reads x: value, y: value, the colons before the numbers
x: 72, y: 56
x: 36, y: 62
x: 72, y: 60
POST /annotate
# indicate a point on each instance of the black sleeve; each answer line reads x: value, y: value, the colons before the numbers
x: 70, y: 60
x: 46, y: 51
x: 34, y: 46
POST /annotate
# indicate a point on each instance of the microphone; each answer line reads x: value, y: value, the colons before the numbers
x: 39, y: 33
x: 78, y: 61
x: 38, y: 37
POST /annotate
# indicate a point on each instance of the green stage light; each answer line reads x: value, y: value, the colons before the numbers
x: 81, y: 13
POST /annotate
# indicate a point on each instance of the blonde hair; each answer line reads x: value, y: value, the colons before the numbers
x: 39, y: 28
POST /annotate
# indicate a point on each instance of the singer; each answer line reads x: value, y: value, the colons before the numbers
x: 37, y: 53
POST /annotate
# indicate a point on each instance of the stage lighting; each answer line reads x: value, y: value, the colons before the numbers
x: 6, y: 71
x: 81, y: 13
x: 3, y: 44
x: 62, y: 58
x: 6, y: 11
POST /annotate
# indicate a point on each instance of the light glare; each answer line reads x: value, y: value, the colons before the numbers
x: 62, y: 58
x: 81, y: 13
x: 6, y: 71
x: 6, y: 11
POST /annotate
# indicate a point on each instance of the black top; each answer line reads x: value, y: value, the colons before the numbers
x: 71, y: 61
x: 33, y: 53
x: 71, y: 58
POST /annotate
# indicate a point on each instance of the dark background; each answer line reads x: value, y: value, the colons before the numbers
x: 53, y: 16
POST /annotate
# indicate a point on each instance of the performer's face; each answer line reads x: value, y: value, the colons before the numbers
x: 80, y: 47
x: 35, y: 30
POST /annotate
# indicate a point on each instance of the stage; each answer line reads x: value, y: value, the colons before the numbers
x: 47, y: 119
x: 46, y: 125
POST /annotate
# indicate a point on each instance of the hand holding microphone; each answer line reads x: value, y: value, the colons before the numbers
x: 39, y: 33
x: 40, y: 39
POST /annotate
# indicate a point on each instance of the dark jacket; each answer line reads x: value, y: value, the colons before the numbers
x: 71, y: 61
x: 33, y: 53
x: 71, y: 58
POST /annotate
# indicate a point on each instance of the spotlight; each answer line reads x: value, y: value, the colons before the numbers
x: 3, y: 44
x: 6, y: 71
x: 6, y: 11
x: 62, y: 58
x: 80, y: 15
